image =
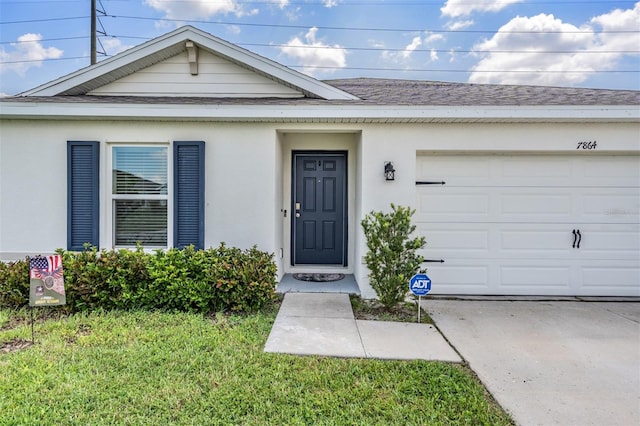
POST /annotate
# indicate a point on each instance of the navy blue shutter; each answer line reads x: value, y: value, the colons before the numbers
x: 83, y: 201
x: 188, y: 194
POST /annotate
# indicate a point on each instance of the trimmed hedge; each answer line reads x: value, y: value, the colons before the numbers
x: 216, y: 279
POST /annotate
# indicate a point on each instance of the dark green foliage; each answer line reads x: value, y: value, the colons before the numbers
x: 14, y: 283
x: 392, y: 259
x: 189, y: 280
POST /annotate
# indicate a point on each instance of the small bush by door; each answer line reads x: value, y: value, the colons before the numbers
x: 391, y: 258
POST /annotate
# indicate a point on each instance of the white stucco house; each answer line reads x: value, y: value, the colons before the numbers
x: 188, y: 139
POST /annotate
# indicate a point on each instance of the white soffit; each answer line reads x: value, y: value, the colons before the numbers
x: 171, y: 44
x: 309, y: 113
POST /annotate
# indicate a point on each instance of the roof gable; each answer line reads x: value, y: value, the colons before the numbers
x: 95, y: 79
x: 209, y: 76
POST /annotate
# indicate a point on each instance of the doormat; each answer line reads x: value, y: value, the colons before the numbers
x: 318, y: 278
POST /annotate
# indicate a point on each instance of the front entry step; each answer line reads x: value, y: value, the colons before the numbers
x: 289, y: 284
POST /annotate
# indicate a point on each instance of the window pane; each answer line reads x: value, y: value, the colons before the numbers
x: 141, y: 221
x: 139, y: 170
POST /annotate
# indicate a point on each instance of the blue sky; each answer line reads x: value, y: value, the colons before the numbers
x: 580, y: 43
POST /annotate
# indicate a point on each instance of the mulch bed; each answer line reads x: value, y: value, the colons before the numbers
x: 15, y: 345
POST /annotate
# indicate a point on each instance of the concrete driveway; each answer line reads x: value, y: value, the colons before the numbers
x: 551, y: 363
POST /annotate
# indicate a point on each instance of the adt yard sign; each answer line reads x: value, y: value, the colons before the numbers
x: 420, y: 284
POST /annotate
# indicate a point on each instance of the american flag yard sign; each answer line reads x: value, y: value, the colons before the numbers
x: 46, y: 281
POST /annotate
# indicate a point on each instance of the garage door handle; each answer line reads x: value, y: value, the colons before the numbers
x: 432, y: 260
x: 577, y: 238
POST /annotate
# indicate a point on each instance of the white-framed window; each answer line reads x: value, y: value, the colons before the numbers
x: 140, y: 195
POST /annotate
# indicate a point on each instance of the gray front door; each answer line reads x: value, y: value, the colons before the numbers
x: 319, y: 222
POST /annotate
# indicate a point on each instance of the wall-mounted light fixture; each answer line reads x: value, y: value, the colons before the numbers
x: 389, y: 171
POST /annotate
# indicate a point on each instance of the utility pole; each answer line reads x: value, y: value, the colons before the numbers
x: 94, y: 32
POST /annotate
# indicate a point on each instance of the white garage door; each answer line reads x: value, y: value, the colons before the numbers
x: 531, y: 225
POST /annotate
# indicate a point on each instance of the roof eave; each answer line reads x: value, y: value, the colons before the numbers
x: 337, y: 113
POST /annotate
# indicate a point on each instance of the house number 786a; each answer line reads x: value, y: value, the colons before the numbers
x: 587, y: 145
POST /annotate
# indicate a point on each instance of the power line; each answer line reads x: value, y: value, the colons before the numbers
x: 44, y: 60
x: 33, y: 21
x: 328, y: 28
x: 352, y: 48
x: 433, y: 70
x: 44, y: 39
x: 381, y: 49
x: 342, y: 2
x: 320, y: 27
x: 469, y: 71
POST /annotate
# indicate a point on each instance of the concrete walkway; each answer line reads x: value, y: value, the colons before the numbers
x: 551, y: 363
x: 324, y: 324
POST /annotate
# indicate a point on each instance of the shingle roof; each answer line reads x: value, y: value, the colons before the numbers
x: 381, y: 92
x: 416, y: 92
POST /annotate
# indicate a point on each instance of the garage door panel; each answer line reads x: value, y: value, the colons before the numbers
x: 534, y: 276
x: 454, y: 238
x: 525, y: 169
x: 486, y: 170
x: 444, y: 205
x: 613, y: 205
x: 459, y: 278
x: 596, y: 241
x: 530, y: 276
x: 529, y: 204
x: 621, y: 242
x: 603, y: 280
x: 531, y: 170
x: 494, y: 241
x: 614, y: 171
x: 512, y: 278
x: 528, y: 242
x: 464, y: 170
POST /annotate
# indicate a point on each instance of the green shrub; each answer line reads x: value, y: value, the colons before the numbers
x: 109, y: 279
x: 14, y: 283
x: 392, y: 259
x: 186, y: 279
x: 244, y: 281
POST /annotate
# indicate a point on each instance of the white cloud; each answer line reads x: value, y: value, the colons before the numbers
x: 456, y: 8
x: 459, y: 25
x: 377, y: 44
x: 415, y: 43
x: 405, y: 55
x: 504, y: 63
x: 314, y: 54
x: 197, y: 9
x: 293, y: 14
x: 114, y: 46
x: 233, y: 29
x: 27, y: 53
x: 282, y: 3
x: 330, y: 3
x: 432, y: 38
x: 619, y: 20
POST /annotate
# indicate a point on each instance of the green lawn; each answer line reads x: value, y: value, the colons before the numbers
x: 158, y: 368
